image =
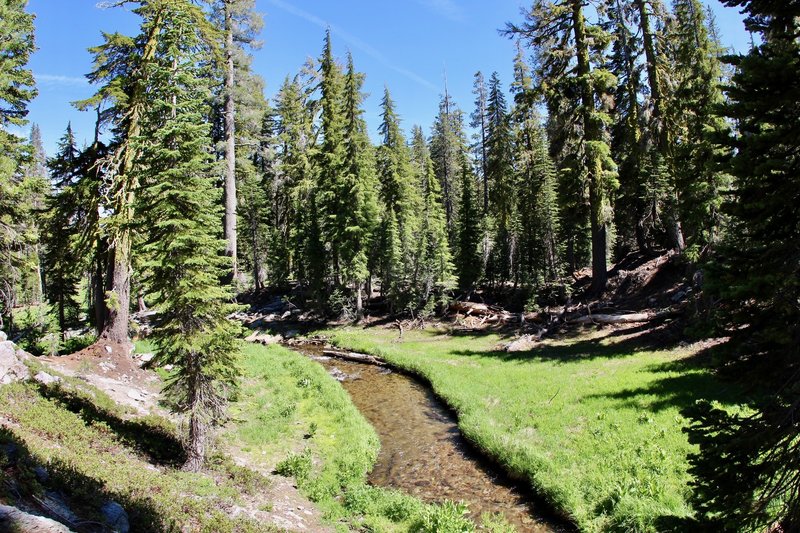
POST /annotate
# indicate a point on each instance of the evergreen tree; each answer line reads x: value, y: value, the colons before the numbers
x: 468, y: 263
x: 570, y: 66
x: 17, y: 89
x: 500, y: 174
x: 400, y: 200
x: 694, y: 120
x: 746, y: 475
x: 433, y: 265
x: 180, y: 217
x: 357, y: 186
x: 478, y: 122
x: 240, y: 24
x: 448, y: 144
x: 536, y: 191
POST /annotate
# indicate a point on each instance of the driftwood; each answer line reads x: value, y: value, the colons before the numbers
x: 492, y: 313
x: 355, y: 357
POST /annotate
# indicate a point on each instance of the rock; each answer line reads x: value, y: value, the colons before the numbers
x: 12, y: 369
x: 291, y: 334
x: 41, y: 473
x: 22, y: 355
x: 109, y: 349
x: 522, y: 344
x: 135, y: 395
x: 168, y: 367
x: 146, y: 357
x: 3, y: 336
x: 56, y: 502
x: 46, y: 379
x: 12, y: 519
x: 264, y: 338
x: 115, y: 516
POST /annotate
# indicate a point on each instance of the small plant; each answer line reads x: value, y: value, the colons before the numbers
x: 297, y: 465
x: 448, y: 517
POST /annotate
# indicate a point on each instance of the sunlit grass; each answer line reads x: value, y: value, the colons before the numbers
x: 594, y: 422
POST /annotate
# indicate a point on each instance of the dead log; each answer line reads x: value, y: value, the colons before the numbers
x: 355, y: 357
x: 627, y: 318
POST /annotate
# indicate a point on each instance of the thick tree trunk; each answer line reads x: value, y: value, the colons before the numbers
x: 118, y: 298
x: 359, y: 301
x: 196, y: 445
x: 592, y: 133
x: 230, y: 148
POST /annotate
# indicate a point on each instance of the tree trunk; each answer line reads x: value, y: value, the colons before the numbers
x: 118, y: 299
x: 140, y: 301
x: 230, y: 148
x: 359, y: 301
x: 196, y: 445
x: 592, y: 133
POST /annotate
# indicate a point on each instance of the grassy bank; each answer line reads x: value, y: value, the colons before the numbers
x: 593, y: 422
x: 293, y: 417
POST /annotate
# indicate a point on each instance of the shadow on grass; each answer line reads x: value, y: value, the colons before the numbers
x: 84, y: 495
x: 157, y: 443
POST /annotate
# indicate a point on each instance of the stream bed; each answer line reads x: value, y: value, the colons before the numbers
x: 422, y: 450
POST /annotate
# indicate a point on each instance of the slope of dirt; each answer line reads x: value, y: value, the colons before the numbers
x: 122, y: 377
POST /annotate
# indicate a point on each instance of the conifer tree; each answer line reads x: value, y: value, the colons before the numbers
x: 17, y: 89
x: 433, y: 265
x: 478, y: 123
x: 536, y: 185
x: 400, y: 199
x: 500, y: 174
x: 747, y: 475
x: 180, y: 218
x: 570, y: 53
x: 468, y: 263
x: 448, y: 144
x: 357, y: 186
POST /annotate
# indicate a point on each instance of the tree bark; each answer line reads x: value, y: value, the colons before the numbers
x: 118, y: 298
x: 230, y: 147
x: 592, y: 134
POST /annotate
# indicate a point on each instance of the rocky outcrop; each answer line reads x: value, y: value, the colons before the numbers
x: 12, y: 366
x: 12, y: 519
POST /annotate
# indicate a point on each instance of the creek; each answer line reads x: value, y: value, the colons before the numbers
x: 422, y: 450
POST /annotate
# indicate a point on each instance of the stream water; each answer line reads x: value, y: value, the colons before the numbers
x: 422, y: 450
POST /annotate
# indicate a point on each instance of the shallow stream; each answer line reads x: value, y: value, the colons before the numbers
x: 422, y: 450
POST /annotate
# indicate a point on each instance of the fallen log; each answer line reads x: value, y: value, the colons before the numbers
x: 355, y: 357
x: 627, y: 318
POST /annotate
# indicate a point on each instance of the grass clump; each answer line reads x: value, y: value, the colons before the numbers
x: 593, y: 422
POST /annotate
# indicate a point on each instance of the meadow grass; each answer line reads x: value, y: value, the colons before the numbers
x: 291, y: 416
x: 592, y: 422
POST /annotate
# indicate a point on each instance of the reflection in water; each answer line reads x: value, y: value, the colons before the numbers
x: 422, y: 450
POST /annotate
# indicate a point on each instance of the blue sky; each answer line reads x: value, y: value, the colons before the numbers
x: 407, y: 45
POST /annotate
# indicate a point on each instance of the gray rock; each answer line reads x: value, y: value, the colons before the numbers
x: 115, y: 516
x: 109, y: 349
x: 146, y: 357
x: 11, y: 368
x: 12, y: 519
x: 58, y: 504
x: 3, y: 336
x: 46, y: 379
x: 41, y: 473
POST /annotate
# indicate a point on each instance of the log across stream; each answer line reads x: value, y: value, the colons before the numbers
x: 422, y: 450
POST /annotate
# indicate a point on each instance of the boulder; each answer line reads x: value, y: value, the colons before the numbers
x: 115, y: 516
x: 3, y: 336
x: 525, y: 343
x: 11, y: 367
x: 12, y: 519
x: 46, y: 379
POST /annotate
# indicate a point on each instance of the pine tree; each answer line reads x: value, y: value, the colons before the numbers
x: 448, y: 144
x: 571, y: 57
x: 478, y: 122
x: 240, y: 24
x: 17, y: 89
x: 500, y: 174
x: 468, y: 263
x: 358, y: 187
x: 400, y: 199
x: 433, y: 265
x: 693, y: 117
x: 536, y: 185
x: 180, y: 217
x: 746, y: 475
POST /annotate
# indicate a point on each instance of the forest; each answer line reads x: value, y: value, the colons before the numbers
x: 627, y: 133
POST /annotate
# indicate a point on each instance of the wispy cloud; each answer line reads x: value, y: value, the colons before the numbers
x: 57, y: 80
x: 354, y: 41
x: 446, y: 8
